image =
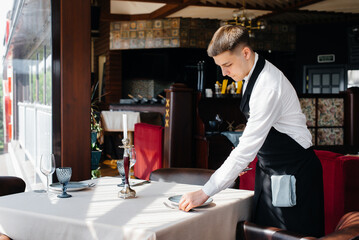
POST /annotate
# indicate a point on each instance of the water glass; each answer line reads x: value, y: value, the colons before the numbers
x: 64, y: 175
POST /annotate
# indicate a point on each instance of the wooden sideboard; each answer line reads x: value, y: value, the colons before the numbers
x: 212, y: 148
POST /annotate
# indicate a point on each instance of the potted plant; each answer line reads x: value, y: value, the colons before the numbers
x: 95, y: 146
x: 95, y: 130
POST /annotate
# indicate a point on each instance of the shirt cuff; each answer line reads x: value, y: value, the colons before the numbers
x: 208, y: 189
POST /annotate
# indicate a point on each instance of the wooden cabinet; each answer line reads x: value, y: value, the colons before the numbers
x: 212, y: 148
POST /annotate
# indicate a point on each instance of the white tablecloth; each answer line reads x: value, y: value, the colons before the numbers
x: 97, y: 213
x: 112, y: 120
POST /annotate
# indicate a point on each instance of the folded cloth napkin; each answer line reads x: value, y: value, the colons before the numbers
x: 283, y: 190
x: 112, y: 120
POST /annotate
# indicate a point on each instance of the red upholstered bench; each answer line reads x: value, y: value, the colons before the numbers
x: 341, y: 185
x: 148, y: 141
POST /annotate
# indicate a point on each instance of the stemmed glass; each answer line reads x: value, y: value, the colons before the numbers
x: 121, y: 168
x: 64, y: 176
x: 132, y: 160
x: 47, y: 166
x: 121, y: 171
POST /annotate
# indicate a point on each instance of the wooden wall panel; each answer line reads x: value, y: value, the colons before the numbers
x: 113, y: 66
x: 75, y: 62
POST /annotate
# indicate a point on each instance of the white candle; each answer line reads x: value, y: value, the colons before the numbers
x: 124, y: 119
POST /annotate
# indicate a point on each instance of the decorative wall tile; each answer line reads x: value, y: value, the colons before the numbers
x: 175, y: 42
x: 157, y: 24
x: 149, y: 34
x: 125, y: 34
x: 125, y: 26
x: 148, y: 24
x: 158, y: 42
x: 133, y: 34
x: 166, y: 42
x: 133, y: 25
x: 150, y: 43
x: 167, y: 33
x: 125, y: 44
x: 166, y: 23
x: 160, y: 33
x: 141, y: 34
x: 157, y: 33
x: 175, y: 32
x: 141, y: 25
x: 133, y: 43
x: 141, y: 43
x: 175, y: 23
x: 116, y: 26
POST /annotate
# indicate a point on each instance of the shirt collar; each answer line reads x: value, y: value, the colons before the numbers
x: 246, y: 78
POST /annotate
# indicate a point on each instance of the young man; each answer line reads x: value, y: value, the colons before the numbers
x: 276, y: 132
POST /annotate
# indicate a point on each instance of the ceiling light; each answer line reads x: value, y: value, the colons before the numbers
x: 246, y: 19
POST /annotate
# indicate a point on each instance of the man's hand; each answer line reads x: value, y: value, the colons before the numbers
x: 192, y: 199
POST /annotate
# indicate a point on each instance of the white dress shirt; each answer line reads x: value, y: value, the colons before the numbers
x: 273, y: 103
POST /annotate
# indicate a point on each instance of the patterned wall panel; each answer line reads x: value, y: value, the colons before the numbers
x: 162, y: 33
x: 330, y: 136
x: 308, y: 108
x: 330, y: 112
x: 325, y: 119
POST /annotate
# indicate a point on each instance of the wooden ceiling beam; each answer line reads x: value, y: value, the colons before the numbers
x: 291, y: 8
x: 153, y: 1
x: 168, y: 9
x: 230, y: 5
x: 304, y: 3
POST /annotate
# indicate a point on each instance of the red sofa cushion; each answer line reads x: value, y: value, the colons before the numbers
x: 247, y: 180
x: 148, y: 141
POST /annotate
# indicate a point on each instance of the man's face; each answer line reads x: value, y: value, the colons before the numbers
x: 235, y: 64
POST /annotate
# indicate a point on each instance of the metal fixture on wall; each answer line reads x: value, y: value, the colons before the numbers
x: 246, y: 19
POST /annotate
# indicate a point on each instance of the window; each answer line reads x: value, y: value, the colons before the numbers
x: 324, y: 79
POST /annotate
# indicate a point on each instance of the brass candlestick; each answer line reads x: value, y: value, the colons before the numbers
x: 126, y: 191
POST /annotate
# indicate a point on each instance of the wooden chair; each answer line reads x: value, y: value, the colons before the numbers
x: 10, y: 185
x: 347, y: 229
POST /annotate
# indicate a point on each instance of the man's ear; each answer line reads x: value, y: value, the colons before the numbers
x: 247, y: 52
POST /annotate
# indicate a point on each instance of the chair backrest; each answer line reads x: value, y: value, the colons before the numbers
x: 11, y: 185
x: 347, y: 228
x: 148, y: 141
x: 195, y: 176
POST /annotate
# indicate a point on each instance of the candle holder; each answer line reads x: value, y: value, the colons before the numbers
x: 126, y: 191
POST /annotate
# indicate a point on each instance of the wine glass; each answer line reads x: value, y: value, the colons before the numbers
x: 132, y: 161
x: 121, y: 168
x: 64, y: 176
x: 47, y: 166
x: 121, y: 171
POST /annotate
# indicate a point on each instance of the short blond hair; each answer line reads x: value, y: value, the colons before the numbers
x: 227, y: 38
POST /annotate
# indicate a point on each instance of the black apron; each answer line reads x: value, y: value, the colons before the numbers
x: 280, y: 154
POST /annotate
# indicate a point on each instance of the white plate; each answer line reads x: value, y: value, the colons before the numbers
x: 175, y: 199
x: 71, y: 186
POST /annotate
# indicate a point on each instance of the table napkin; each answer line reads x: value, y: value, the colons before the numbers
x: 283, y: 190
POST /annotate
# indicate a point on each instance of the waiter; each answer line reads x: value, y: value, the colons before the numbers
x: 276, y: 132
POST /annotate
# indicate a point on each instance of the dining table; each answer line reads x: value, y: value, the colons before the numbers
x: 96, y: 212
